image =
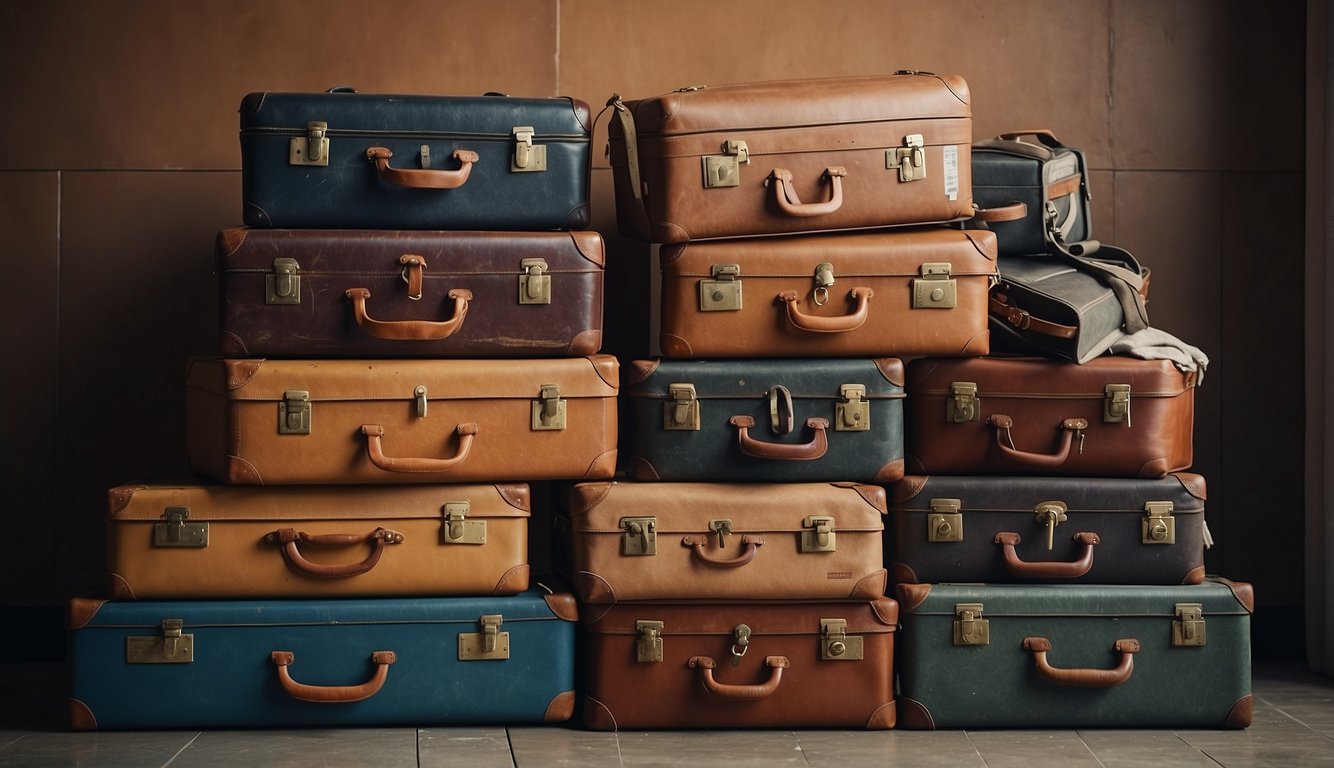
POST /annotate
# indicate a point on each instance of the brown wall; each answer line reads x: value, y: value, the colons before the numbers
x: 119, y: 162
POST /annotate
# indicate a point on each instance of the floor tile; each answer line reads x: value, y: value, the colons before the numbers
x: 327, y: 748
x: 710, y: 748
x: 1132, y: 749
x: 98, y: 749
x: 464, y: 747
x: 1025, y: 749
x: 535, y: 746
x: 920, y: 749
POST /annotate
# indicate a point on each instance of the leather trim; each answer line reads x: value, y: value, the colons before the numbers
x: 978, y: 346
x: 517, y: 495
x: 1243, y: 591
x: 254, y: 214
x: 915, y: 716
x: 870, y: 587
x: 596, y: 715
x: 886, y: 609
x: 590, y: 246
x: 871, y: 494
x: 902, y: 573
x: 640, y: 370
x: 1155, y: 468
x: 252, y: 101
x: 1239, y: 716
x: 584, y: 497
x: 1194, y: 575
x: 907, y: 487
x: 120, y: 588
x: 81, y: 717
x: 892, y: 369
x: 593, y: 588
x: 585, y: 343
x: 606, y: 367
x: 582, y: 113
x: 1193, y: 484
x: 957, y: 86
x: 238, y: 471
x: 643, y: 469
x: 882, y: 719
x: 513, y: 581
x: 602, y: 467
x: 912, y: 595
x: 231, y: 239
x: 119, y: 498
x: 563, y: 605
x: 560, y: 709
x: 674, y: 233
x: 984, y: 241
x: 890, y: 472
x: 670, y: 253
x: 577, y: 218
x: 238, y: 373
x: 81, y: 611
x: 674, y: 346
x: 232, y: 345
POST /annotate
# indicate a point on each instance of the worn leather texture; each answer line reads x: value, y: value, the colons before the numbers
x: 247, y: 557
x: 730, y: 392
x: 331, y: 643
x: 803, y: 127
x: 784, y: 311
x: 367, y: 424
x: 1053, y: 290
x: 1113, y: 509
x: 761, y: 559
x: 1168, y: 687
x: 412, y: 308
x: 351, y: 193
x: 1035, y: 172
x: 617, y: 691
x: 1043, y: 401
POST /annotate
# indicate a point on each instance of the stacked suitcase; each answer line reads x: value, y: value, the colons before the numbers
x: 410, y: 328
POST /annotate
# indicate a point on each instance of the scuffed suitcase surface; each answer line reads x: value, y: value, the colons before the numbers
x: 401, y: 657
x: 386, y: 293
x: 480, y: 169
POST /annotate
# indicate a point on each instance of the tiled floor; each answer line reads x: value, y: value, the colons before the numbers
x: 1293, y: 726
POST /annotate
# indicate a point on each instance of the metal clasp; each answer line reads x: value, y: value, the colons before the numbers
x: 171, y: 646
x: 935, y: 289
x: 648, y: 648
x: 969, y: 626
x: 824, y: 277
x: 458, y: 529
x: 722, y: 528
x: 723, y: 292
x: 962, y: 403
x: 820, y: 535
x: 910, y: 159
x: 1188, y: 627
x: 488, y: 645
x: 284, y: 285
x: 176, y: 532
x: 741, y: 640
x: 548, y: 412
x: 945, y: 521
x: 681, y: 409
x: 535, y: 282
x: 294, y: 413
x: 835, y: 644
x: 419, y: 394
x: 640, y: 537
x: 1050, y: 514
x: 527, y: 155
x: 852, y: 413
x: 1116, y: 404
x: 311, y: 149
x: 1158, y: 525
x: 725, y: 170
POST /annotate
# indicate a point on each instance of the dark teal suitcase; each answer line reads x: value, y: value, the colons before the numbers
x: 1075, y: 656
x: 375, y: 161
x: 229, y: 664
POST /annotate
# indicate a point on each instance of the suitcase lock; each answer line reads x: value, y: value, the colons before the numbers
x: 1050, y: 514
x: 171, y: 647
x: 969, y: 626
x: 945, y: 523
x: 780, y: 409
x: 835, y: 644
x: 1116, y: 405
x: 178, y: 533
x: 640, y: 537
x: 935, y: 288
x: 725, y: 170
x: 460, y: 530
x: 528, y: 156
x: 1188, y: 627
x: 853, y: 413
x: 648, y: 648
x: 740, y: 644
x: 721, y: 293
x: 681, y: 409
x: 910, y: 158
x: 548, y: 409
x: 1158, y: 525
x: 311, y: 149
x: 535, y: 282
x: 283, y: 286
x: 488, y: 645
x: 294, y: 413
x: 962, y: 403
x: 818, y: 534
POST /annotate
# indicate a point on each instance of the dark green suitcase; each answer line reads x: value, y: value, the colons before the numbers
x: 1075, y: 656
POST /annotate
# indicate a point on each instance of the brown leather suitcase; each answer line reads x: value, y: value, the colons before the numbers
x: 276, y: 422
x: 1110, y: 417
x: 739, y: 665
x: 896, y: 292
x: 403, y: 293
x: 767, y: 541
x: 206, y: 542
x: 793, y: 156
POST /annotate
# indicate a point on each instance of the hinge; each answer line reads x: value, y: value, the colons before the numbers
x: 910, y: 158
x: 488, y: 645
x: 1188, y: 626
x: 1158, y: 525
x: 1116, y: 404
x: 548, y: 409
x: 722, y: 293
x: 835, y: 644
x: 311, y: 149
x: 681, y: 410
x: 935, y: 289
x: 457, y: 529
x: 945, y: 521
x: 294, y: 413
x: 648, y: 648
x: 527, y: 155
x: 724, y: 170
x: 283, y: 286
x: 969, y: 626
x: 852, y: 414
x: 640, y: 536
x: 535, y: 282
x: 172, y: 646
x: 178, y: 533
x: 818, y: 534
x: 962, y: 403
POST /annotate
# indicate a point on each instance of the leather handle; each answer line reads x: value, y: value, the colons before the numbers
x: 786, y: 194
x: 1001, y: 306
x: 759, y: 449
x: 333, y: 694
x: 1012, y: 211
x: 375, y: 452
x: 820, y: 324
x: 750, y: 544
x: 706, y: 665
x: 423, y: 178
x: 289, y: 538
x: 409, y: 330
x: 1005, y: 442
x: 1087, y: 678
x: 1040, y: 132
x: 1047, y: 570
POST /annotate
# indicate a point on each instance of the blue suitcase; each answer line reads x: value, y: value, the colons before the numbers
x: 249, y: 664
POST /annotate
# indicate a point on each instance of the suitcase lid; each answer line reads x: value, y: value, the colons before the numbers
x: 1046, y: 378
x: 734, y: 379
x: 916, y: 494
x: 714, y: 618
x: 1215, y: 595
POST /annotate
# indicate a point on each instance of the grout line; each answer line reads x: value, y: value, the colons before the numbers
x: 182, y: 749
x: 1206, y: 755
x: 509, y: 742
x: 1089, y: 749
x: 969, y: 736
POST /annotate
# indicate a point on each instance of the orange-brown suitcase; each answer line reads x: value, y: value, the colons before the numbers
x: 277, y: 422
x: 210, y: 541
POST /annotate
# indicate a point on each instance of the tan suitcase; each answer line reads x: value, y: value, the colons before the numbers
x: 204, y: 542
x: 731, y: 541
x: 261, y: 422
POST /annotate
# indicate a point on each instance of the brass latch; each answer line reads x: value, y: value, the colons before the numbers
x: 178, y: 533
x: 824, y: 277
x: 945, y: 521
x: 935, y: 289
x: 723, y: 292
x: 548, y: 409
x: 835, y: 644
x: 969, y: 626
x: 723, y: 528
x: 852, y: 414
x: 527, y: 155
x: 962, y: 403
x: 681, y: 410
x: 284, y: 285
x: 648, y: 648
x: 311, y: 149
x: 419, y: 395
x: 1050, y: 514
x: 1188, y: 627
x: 460, y: 530
x: 818, y: 535
x: 725, y: 170
x: 535, y: 282
x: 640, y: 537
x: 740, y: 643
x: 780, y: 409
x: 294, y: 413
x: 910, y: 158
x: 488, y: 645
x: 1116, y: 404
x: 1158, y: 525
x: 425, y: 155
x: 172, y: 646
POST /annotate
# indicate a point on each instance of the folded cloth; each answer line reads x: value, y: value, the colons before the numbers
x: 1154, y: 344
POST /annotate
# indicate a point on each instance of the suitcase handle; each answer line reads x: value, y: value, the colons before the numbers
x: 333, y: 694
x: 786, y: 194
x: 423, y: 178
x: 409, y: 330
x: 706, y: 665
x: 1070, y: 429
x: 759, y: 449
x: 289, y: 538
x: 1047, y: 570
x: 820, y: 324
x: 1087, y: 678
x: 374, y: 452
x: 750, y: 543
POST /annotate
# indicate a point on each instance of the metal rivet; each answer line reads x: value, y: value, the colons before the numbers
x: 937, y: 294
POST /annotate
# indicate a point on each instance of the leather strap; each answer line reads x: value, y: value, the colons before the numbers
x: 1068, y: 186
x: 621, y: 113
x: 1012, y: 211
x: 1047, y: 570
x: 999, y: 305
x: 1086, y: 678
x: 706, y: 665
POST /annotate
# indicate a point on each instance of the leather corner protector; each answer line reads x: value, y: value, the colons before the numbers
x: 886, y: 609
x: 513, y: 581
x: 892, y: 471
x: 241, y: 472
x: 231, y: 239
x: 608, y: 368
x: 253, y: 214
x: 238, y: 373
x: 1239, y: 716
x: 912, y: 595
x: 517, y: 495
x: 120, y: 588
x: 586, y: 342
x: 643, y: 469
x: 603, y: 467
x: 81, y: 717
x: 563, y: 605
x: 902, y: 573
x: 1194, y: 575
x: 560, y: 709
x: 1193, y: 484
x: 882, y: 719
x: 892, y: 369
x: 594, y: 589
x: 916, y: 717
x: 1244, y: 593
x: 590, y: 246
x: 582, y: 113
x: 907, y: 487
x: 585, y: 496
x: 873, y: 495
x: 641, y: 370
x: 870, y: 587
x: 81, y: 611
x: 978, y: 345
x: 667, y: 232
x: 578, y: 217
x: 596, y: 715
x: 674, y: 346
x: 984, y: 241
x: 119, y: 498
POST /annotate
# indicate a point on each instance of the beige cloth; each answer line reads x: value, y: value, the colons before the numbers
x: 1155, y: 344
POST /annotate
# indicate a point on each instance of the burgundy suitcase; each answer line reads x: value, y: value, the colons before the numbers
x: 405, y: 293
